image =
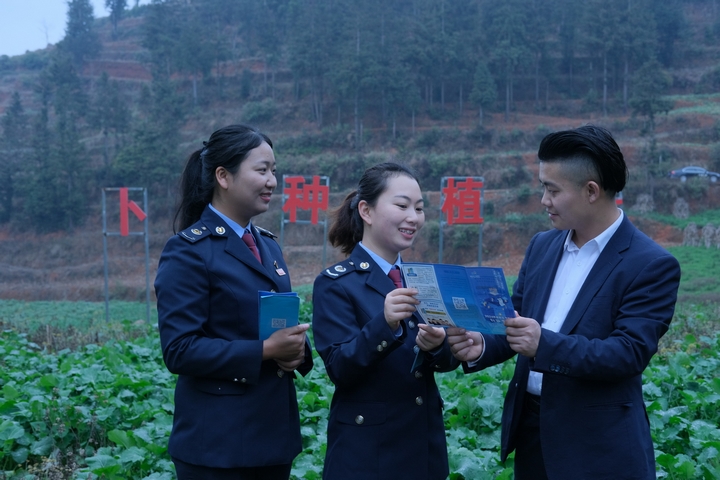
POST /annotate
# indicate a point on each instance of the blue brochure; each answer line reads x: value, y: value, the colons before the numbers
x: 277, y: 311
x: 474, y: 298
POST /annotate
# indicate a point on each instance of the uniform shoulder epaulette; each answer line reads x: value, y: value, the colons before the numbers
x: 194, y: 233
x: 339, y: 269
x: 267, y: 233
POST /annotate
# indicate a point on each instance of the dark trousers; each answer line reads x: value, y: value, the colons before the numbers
x: 187, y: 471
x: 529, y: 463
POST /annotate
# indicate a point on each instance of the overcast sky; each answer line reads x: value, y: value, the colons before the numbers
x: 32, y: 24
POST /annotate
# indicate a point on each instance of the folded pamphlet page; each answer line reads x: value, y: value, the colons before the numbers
x: 277, y: 311
x: 473, y: 298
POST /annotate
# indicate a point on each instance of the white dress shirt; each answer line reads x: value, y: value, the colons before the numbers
x: 574, y: 267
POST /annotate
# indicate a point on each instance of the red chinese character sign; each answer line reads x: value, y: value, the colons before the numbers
x: 126, y: 205
x: 462, y: 200
x: 461, y: 203
x: 297, y: 194
x: 305, y: 193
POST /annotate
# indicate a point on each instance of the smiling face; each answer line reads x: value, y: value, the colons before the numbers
x: 390, y: 226
x: 246, y: 193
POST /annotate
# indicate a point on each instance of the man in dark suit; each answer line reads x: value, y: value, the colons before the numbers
x: 592, y: 300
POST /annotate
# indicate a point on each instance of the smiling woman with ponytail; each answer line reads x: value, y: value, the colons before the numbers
x: 236, y: 414
x: 386, y: 416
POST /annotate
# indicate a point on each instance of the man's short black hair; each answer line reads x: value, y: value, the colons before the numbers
x: 591, y: 144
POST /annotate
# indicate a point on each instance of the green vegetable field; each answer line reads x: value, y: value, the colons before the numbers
x: 83, y: 399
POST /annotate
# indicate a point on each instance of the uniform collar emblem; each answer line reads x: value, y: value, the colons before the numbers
x: 339, y: 268
x: 364, y: 265
x: 196, y: 231
x: 220, y: 230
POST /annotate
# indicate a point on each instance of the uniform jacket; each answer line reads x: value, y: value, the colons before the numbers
x: 385, y: 420
x: 231, y: 408
x: 593, y: 423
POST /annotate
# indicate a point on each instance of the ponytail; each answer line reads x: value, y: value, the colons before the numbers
x: 196, y: 191
x: 347, y: 229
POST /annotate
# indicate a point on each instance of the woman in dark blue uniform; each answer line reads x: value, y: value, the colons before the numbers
x: 386, y: 418
x: 236, y: 413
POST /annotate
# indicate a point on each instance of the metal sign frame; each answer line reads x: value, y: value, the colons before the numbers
x: 144, y: 233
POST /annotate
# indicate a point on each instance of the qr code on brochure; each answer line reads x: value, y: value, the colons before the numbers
x: 459, y: 303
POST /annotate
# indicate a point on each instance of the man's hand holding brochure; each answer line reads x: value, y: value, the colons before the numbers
x: 473, y: 298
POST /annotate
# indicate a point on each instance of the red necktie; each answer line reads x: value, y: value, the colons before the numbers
x: 250, y: 242
x: 394, y: 275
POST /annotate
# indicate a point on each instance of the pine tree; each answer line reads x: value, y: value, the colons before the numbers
x: 484, y: 92
x: 601, y: 37
x: 81, y: 41
x: 311, y: 49
x: 110, y: 114
x: 649, y: 84
x: 117, y: 9
x: 638, y: 39
x: 40, y: 195
x: 506, y: 27
x: 151, y: 158
x: 670, y: 23
x: 14, y: 154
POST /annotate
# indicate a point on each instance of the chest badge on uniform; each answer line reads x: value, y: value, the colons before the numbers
x: 220, y: 230
x: 196, y: 231
x: 364, y: 265
x: 339, y: 268
x: 278, y: 269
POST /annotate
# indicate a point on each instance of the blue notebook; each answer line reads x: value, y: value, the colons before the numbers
x: 277, y: 311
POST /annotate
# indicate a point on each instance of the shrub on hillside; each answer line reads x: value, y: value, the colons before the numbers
x: 309, y: 143
x: 263, y: 111
x: 709, y: 82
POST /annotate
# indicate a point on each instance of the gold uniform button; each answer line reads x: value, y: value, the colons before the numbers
x: 280, y: 373
x: 379, y: 348
x: 243, y: 380
x: 359, y: 419
x: 234, y: 379
x: 416, y: 349
x: 383, y: 343
x: 418, y: 374
x: 411, y: 324
x: 419, y: 400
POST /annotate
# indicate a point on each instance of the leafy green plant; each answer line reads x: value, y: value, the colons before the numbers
x: 104, y: 409
x: 682, y: 392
